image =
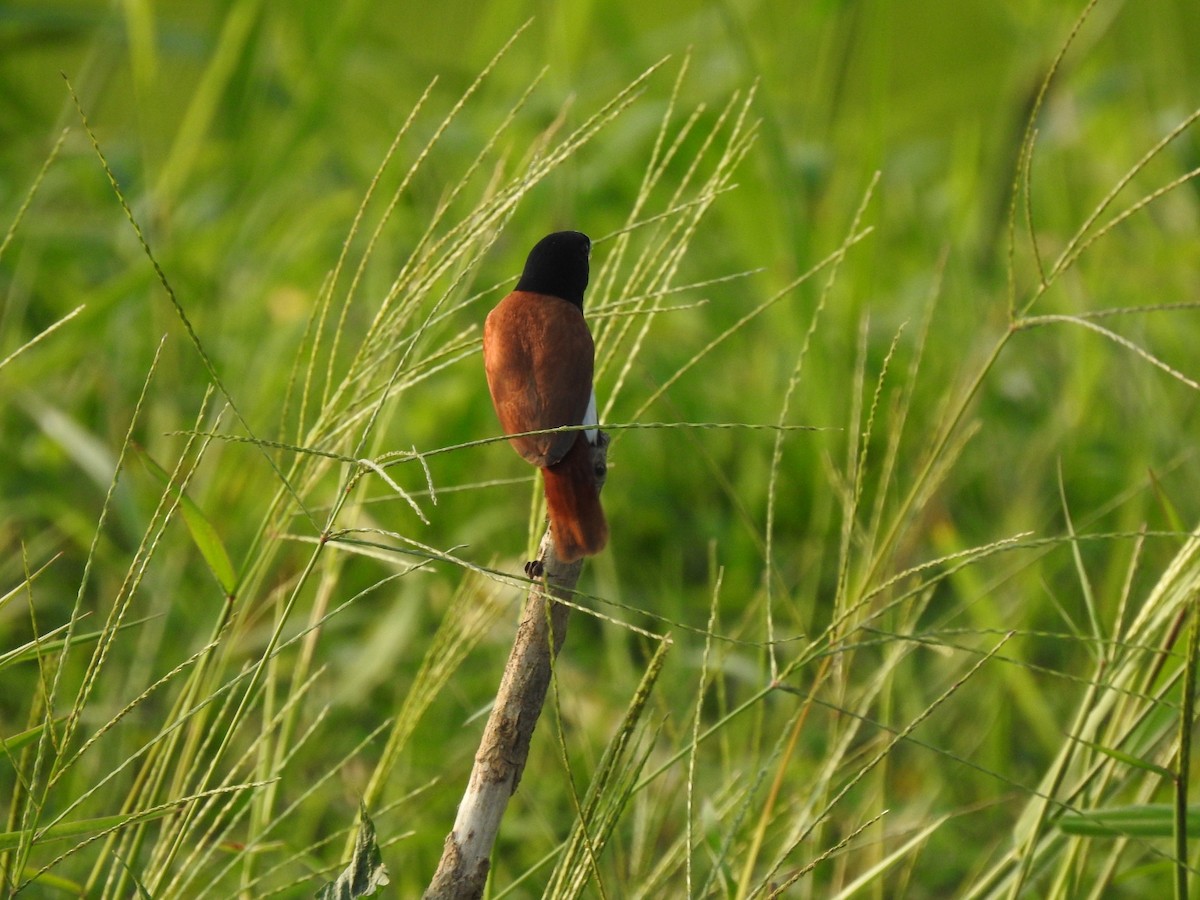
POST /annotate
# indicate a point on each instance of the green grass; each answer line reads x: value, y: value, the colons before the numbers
x: 902, y: 395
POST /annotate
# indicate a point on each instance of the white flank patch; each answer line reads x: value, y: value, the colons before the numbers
x: 589, y: 418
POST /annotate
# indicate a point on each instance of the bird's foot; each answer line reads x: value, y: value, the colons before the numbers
x: 534, y: 568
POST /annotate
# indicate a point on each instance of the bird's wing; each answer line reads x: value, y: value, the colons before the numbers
x: 539, y: 358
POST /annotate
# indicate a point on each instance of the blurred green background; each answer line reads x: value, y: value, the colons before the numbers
x: 244, y: 136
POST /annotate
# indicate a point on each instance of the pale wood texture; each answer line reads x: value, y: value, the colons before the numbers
x: 504, y: 747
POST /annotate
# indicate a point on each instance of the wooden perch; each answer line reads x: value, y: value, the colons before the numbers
x: 504, y: 747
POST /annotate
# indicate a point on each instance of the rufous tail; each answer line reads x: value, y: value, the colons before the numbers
x: 573, y: 501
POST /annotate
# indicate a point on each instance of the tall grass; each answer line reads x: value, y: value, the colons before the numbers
x: 892, y: 607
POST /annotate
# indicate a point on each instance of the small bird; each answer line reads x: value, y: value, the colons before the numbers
x: 539, y: 357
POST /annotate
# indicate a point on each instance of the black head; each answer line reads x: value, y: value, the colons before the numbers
x: 558, y: 266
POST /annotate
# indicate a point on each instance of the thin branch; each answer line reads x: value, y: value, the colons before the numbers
x: 504, y: 748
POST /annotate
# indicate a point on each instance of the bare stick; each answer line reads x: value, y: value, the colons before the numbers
x: 504, y: 748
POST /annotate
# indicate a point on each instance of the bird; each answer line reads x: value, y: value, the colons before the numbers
x: 539, y: 358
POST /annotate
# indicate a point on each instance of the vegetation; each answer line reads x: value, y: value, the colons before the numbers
x: 895, y: 315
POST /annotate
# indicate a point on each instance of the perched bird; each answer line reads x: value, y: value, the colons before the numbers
x: 539, y: 357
